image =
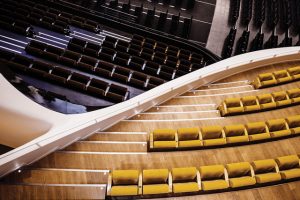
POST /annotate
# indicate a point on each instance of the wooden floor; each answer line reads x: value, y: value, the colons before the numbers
x: 80, y: 170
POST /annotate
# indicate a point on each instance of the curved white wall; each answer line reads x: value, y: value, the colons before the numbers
x: 65, y: 129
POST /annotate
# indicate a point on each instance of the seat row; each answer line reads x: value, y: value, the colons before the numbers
x: 64, y: 77
x: 92, y: 65
x: 14, y: 25
x: 276, y: 78
x: 145, y: 62
x: 203, y: 179
x: 42, y: 14
x: 249, y: 104
x: 195, y: 138
x: 120, y: 52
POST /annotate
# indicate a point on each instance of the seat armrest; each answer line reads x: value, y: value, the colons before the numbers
x: 109, y: 184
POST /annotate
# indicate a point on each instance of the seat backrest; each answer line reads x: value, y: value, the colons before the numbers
x: 279, y: 96
x: 256, y: 128
x: 232, y: 102
x: 125, y: 177
x: 184, y: 174
x: 238, y: 169
x: 164, y: 134
x: 248, y: 101
x: 188, y: 134
x: 287, y: 162
x: 276, y: 124
x: 155, y: 176
x: 264, y: 166
x: 212, y: 172
x: 294, y: 70
x: 264, y: 98
x: 265, y: 77
x: 280, y: 74
x: 293, y: 93
x: 211, y: 132
x: 234, y: 130
x: 293, y: 121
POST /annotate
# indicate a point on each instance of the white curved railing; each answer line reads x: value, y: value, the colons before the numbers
x: 75, y: 127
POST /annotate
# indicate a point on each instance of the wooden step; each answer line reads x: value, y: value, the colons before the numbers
x: 109, y: 146
x: 242, y: 88
x: 224, y: 84
x: 57, y: 176
x: 40, y: 191
x: 182, y: 108
x: 177, y: 115
x: 143, y: 160
x: 118, y: 136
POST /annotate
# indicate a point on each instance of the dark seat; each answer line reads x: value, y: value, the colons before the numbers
x: 78, y: 81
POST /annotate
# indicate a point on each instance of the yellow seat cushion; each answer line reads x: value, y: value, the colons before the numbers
x: 164, y: 134
x: 214, y: 185
x: 294, y: 94
x: 155, y: 176
x: 214, y: 142
x: 262, y: 166
x: 282, y: 76
x: 124, y: 190
x: 190, y: 143
x: 234, y: 130
x: 237, y: 139
x: 185, y: 187
x: 294, y: 123
x: 125, y: 177
x: 164, y: 144
x: 188, y: 134
x: 211, y: 132
x: 291, y: 173
x: 212, y: 172
x: 250, y: 103
x: 184, y: 174
x: 257, y: 131
x: 235, y: 110
x: 238, y: 169
x: 268, y: 177
x: 294, y: 72
x: 277, y: 128
x: 262, y: 136
x: 156, y: 189
x: 266, y: 101
x: 242, y: 181
x: 287, y: 162
x: 267, y: 79
x: 281, y: 98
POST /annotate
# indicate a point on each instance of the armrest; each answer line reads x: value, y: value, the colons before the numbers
x: 170, y: 182
x: 199, y: 180
x: 151, y: 140
x: 140, y: 184
x: 109, y: 184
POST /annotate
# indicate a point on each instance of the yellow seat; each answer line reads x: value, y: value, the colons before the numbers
x: 266, y: 101
x: 236, y: 133
x: 257, y: 131
x: 231, y: 106
x: 294, y: 124
x: 264, y: 80
x: 240, y: 175
x: 278, y: 128
x: 163, y: 138
x: 185, y: 180
x: 282, y: 76
x: 189, y: 137
x: 288, y: 166
x: 124, y: 190
x: 266, y: 171
x: 250, y: 103
x: 281, y: 98
x: 294, y: 72
x: 156, y: 181
x: 124, y: 183
x: 212, y: 135
x: 294, y: 94
x: 213, y: 177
